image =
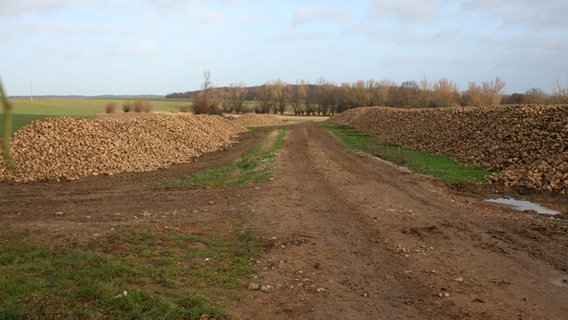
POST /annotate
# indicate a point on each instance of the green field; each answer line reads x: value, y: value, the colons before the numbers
x: 25, y: 111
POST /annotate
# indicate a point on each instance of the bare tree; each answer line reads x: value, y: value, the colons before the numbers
x: 372, y: 92
x: 489, y: 93
x: 309, y: 102
x: 560, y: 93
x: 298, y: 96
x: 326, y: 97
x: 360, y: 94
x: 493, y: 91
x: 425, y: 96
x: 236, y: 97
x: 280, y: 96
x: 265, y: 98
x: 472, y: 96
x: 384, y: 89
x: 205, y: 102
x: 535, y: 95
x: 407, y: 95
x: 445, y: 93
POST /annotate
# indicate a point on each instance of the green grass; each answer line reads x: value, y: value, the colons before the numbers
x: 441, y: 167
x: 165, y: 274
x: 254, y: 166
x: 25, y: 111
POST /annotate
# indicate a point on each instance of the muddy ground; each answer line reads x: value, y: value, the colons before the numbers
x: 349, y: 236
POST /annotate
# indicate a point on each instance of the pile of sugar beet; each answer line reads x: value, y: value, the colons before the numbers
x: 64, y: 148
x: 525, y: 143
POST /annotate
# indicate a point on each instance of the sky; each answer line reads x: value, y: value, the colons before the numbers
x: 127, y: 47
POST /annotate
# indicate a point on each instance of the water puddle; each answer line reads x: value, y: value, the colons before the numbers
x: 523, y: 205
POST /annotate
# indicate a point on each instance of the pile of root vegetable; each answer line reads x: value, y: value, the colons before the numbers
x: 258, y: 120
x: 526, y: 143
x: 71, y: 148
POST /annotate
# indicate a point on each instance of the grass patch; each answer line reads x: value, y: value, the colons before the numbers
x: 441, y: 167
x: 165, y: 273
x: 255, y: 166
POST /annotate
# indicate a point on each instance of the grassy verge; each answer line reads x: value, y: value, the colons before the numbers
x: 441, y: 167
x: 132, y: 273
x: 254, y: 166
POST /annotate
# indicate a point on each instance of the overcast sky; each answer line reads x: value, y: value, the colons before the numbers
x: 92, y: 47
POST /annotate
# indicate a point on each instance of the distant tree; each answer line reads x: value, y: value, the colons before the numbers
x: 445, y: 93
x: 330, y: 96
x: 560, y: 93
x: 236, y: 96
x: 309, y: 102
x: 280, y: 95
x: 472, y: 96
x: 493, y: 91
x: 205, y: 102
x: 383, y: 92
x: 535, y: 95
x: 407, y: 95
x: 142, y: 106
x: 326, y: 97
x: 298, y: 96
x: 372, y: 92
x: 265, y: 98
x: 360, y: 94
x: 489, y: 93
x: 515, y: 98
x: 425, y: 95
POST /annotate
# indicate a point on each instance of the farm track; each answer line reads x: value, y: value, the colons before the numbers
x: 349, y: 236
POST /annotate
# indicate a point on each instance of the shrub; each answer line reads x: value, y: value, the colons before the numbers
x: 200, y: 105
x: 147, y: 106
x: 110, y: 107
x: 142, y: 106
x: 204, y: 105
x: 138, y: 106
x: 126, y: 106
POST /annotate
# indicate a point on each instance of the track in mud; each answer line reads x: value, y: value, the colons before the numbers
x: 351, y: 236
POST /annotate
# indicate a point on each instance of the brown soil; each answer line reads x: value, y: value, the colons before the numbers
x: 350, y: 236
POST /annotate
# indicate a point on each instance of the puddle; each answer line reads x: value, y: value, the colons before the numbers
x: 523, y: 205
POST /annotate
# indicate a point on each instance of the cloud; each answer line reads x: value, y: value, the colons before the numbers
x: 142, y: 46
x: 145, y: 46
x: 537, y: 15
x: 11, y: 8
x: 311, y: 14
x: 412, y: 11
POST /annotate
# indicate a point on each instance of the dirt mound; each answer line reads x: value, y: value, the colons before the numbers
x: 528, y: 143
x: 70, y: 148
x: 258, y: 120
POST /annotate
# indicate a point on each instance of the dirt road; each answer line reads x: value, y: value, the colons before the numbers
x: 351, y: 237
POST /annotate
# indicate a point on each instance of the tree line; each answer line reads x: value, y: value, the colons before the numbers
x: 327, y: 97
